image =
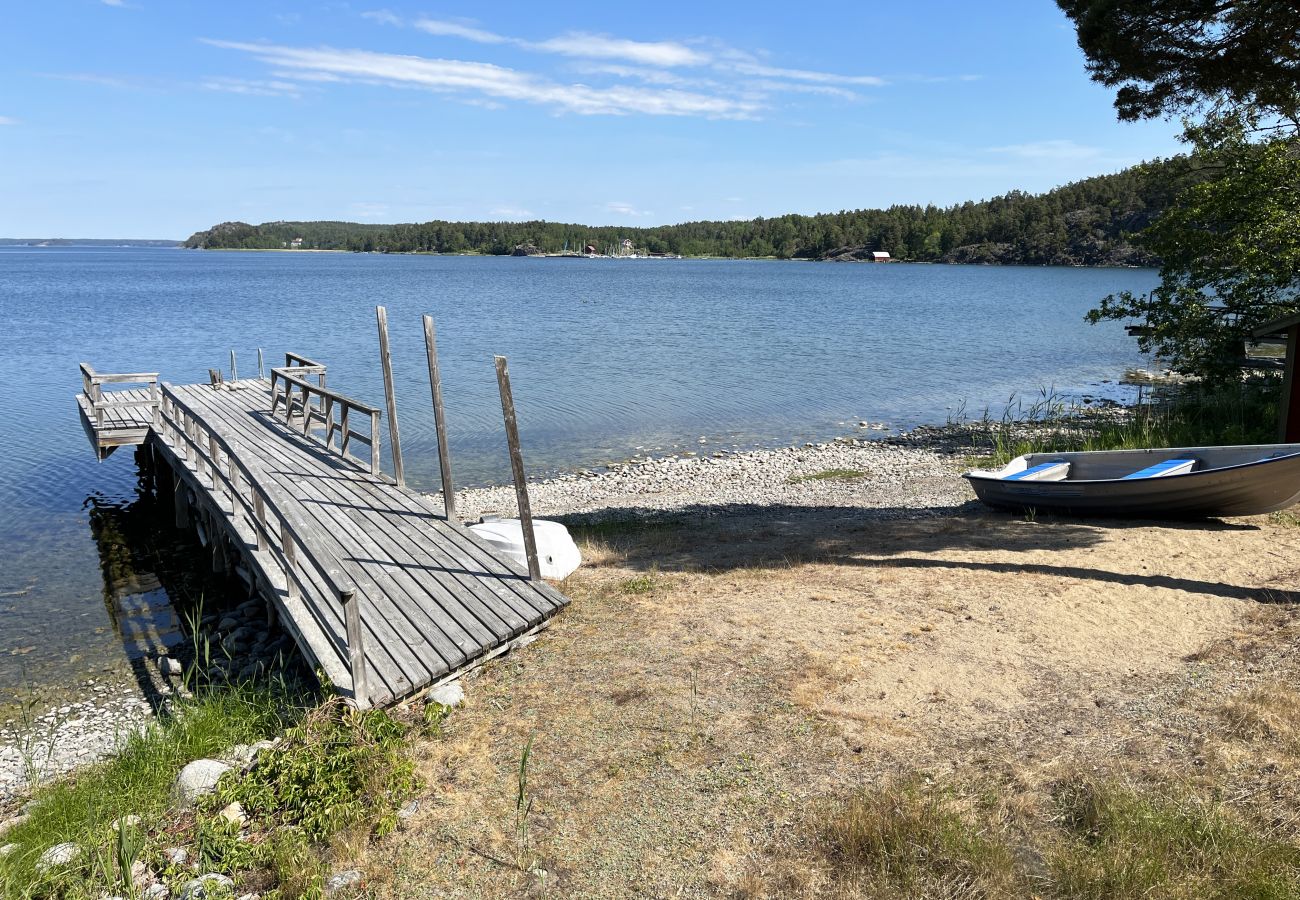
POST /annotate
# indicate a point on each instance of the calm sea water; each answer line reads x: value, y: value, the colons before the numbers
x: 608, y: 359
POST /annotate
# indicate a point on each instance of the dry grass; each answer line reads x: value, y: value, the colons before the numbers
x: 711, y: 713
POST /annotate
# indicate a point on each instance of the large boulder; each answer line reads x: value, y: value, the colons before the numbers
x: 195, y: 780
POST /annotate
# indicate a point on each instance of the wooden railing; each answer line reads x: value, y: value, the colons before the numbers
x: 288, y: 539
x: 322, y: 407
x: 304, y: 366
x: 93, y: 383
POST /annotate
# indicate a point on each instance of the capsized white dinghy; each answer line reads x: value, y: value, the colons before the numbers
x: 557, y: 554
x: 1176, y: 482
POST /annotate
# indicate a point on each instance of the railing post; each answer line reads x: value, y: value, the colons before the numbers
x: 439, y: 419
x: 356, y: 647
x: 374, y: 443
x: 261, y: 372
x: 517, y: 467
x: 234, y: 370
x: 386, y: 362
x: 259, y: 513
x: 290, y: 559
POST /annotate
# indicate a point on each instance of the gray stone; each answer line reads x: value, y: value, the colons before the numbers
x: 449, y: 694
x: 234, y: 813
x: 196, y: 779
x: 59, y: 855
x: 9, y: 825
x: 176, y: 855
x: 8, y: 849
x: 156, y: 891
x: 249, y: 897
x: 205, y: 886
x: 341, y: 881
x: 169, y: 666
x: 409, y: 810
x: 228, y: 623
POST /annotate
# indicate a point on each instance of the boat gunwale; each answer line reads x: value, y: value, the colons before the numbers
x: 983, y: 474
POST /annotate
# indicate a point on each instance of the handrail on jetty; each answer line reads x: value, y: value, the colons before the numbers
x: 93, y: 383
x: 281, y: 530
x: 305, y: 366
x: 316, y: 403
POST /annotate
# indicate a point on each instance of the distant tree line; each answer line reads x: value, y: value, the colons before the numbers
x: 1089, y: 222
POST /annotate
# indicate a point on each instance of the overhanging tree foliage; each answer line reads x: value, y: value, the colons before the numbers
x: 1230, y: 248
x: 1230, y: 241
x: 1173, y: 56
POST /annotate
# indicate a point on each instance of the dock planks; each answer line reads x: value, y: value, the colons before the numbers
x: 432, y: 597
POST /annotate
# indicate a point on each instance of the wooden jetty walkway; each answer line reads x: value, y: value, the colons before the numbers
x: 381, y: 590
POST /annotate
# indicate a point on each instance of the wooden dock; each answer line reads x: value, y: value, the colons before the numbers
x: 381, y: 591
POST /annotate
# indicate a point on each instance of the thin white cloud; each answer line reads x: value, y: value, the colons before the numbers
x: 383, y: 17
x: 1056, y: 149
x: 485, y: 81
x: 762, y: 71
x: 642, y: 73
x: 444, y: 28
x: 652, y: 54
x: 252, y: 87
x: 112, y: 81
x: 666, y: 54
x: 117, y: 3
x: 8, y: 120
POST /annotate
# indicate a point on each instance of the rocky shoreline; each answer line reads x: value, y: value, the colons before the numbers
x: 906, y: 475
x: 47, y: 741
x: 914, y: 473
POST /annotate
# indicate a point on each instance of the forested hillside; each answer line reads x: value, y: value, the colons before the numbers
x: 1089, y: 222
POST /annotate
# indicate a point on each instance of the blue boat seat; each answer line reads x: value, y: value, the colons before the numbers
x: 1161, y: 469
x: 1055, y: 470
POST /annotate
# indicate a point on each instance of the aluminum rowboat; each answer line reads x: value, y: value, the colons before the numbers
x: 1155, y: 484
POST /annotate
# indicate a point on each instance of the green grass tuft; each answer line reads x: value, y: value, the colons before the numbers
x: 909, y: 839
x: 638, y: 584
x: 1123, y: 842
x: 137, y: 781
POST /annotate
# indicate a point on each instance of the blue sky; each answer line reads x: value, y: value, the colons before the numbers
x: 156, y: 118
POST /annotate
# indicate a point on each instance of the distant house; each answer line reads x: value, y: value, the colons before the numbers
x: 590, y: 249
x: 879, y: 256
x: 295, y: 244
x: 627, y: 246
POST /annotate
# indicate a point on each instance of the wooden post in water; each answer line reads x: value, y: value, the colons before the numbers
x: 517, y: 467
x: 439, y: 419
x: 234, y: 370
x: 356, y: 647
x: 386, y: 361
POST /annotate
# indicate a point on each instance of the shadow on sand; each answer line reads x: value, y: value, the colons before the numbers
x: 719, y: 538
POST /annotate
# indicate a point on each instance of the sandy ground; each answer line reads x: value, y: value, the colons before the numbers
x: 720, y: 678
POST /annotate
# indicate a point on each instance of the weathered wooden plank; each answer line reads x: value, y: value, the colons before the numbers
x: 439, y: 418
x: 517, y: 468
x: 315, y: 488
x: 346, y: 487
x: 386, y: 363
